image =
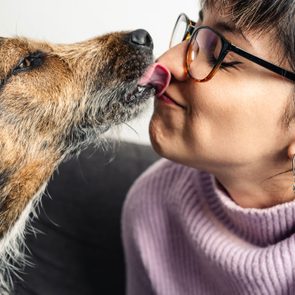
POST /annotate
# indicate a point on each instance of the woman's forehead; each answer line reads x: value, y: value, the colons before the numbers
x: 257, y: 18
x: 251, y: 15
x: 222, y: 24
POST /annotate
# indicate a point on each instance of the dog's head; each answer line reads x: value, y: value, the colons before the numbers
x: 72, y: 91
x: 55, y: 98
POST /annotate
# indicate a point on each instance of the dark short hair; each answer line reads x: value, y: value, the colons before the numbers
x: 277, y: 16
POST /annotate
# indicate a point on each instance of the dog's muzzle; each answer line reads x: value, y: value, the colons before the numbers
x: 142, y: 42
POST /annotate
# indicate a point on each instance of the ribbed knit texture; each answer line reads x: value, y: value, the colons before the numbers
x: 184, y: 236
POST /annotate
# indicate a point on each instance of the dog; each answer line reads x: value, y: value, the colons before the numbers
x: 55, y: 100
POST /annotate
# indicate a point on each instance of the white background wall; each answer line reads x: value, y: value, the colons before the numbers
x: 66, y: 21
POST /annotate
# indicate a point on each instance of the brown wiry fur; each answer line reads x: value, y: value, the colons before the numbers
x: 49, y: 112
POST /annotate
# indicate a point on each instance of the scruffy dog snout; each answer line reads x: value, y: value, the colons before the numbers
x: 141, y: 38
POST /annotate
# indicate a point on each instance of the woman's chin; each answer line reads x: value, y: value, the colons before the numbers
x: 163, y: 142
x: 157, y: 139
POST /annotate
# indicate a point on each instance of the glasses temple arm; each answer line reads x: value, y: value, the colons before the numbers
x: 285, y: 73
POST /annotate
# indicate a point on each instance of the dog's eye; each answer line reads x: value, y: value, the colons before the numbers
x: 29, y: 62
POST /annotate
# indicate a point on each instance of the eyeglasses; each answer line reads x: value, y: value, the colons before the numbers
x: 207, y: 49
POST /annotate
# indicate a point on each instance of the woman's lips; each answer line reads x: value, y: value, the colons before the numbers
x: 158, y: 76
x: 167, y: 99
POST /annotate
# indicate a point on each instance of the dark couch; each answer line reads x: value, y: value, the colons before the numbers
x: 79, y: 251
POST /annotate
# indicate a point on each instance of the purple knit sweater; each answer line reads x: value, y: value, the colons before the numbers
x: 183, y: 236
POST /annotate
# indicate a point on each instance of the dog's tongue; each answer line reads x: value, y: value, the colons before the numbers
x: 157, y: 76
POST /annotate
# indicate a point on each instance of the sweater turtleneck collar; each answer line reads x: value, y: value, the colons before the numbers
x: 261, y: 227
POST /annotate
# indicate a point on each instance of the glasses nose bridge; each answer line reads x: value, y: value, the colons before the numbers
x: 189, y: 32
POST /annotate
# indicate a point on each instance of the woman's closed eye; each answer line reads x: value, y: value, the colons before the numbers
x: 231, y: 64
x: 225, y: 64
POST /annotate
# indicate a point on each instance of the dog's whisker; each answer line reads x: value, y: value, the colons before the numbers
x: 131, y: 128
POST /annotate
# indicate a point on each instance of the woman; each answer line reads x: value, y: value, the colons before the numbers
x: 218, y: 217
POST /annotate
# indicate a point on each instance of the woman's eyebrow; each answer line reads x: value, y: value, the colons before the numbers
x: 230, y: 28
x: 225, y: 27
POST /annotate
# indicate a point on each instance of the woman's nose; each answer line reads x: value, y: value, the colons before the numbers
x: 175, y: 60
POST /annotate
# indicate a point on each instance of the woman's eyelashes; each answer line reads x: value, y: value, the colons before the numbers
x: 224, y: 64
x: 232, y: 64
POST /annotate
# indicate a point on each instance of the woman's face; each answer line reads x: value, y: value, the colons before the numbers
x: 234, y: 119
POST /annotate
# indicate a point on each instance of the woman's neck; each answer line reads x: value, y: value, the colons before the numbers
x: 250, y: 188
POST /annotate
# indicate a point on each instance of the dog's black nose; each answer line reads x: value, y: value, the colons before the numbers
x: 141, y: 38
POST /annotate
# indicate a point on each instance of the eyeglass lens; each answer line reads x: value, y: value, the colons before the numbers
x: 204, y: 49
x: 203, y: 53
x: 179, y: 31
